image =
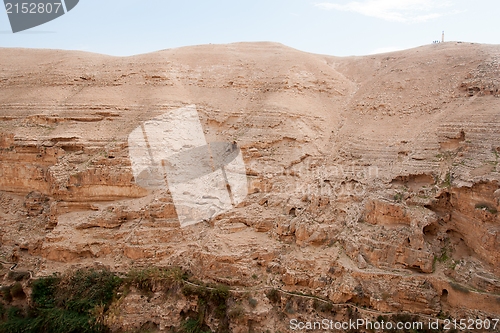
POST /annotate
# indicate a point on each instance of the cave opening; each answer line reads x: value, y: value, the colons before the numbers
x: 444, y: 295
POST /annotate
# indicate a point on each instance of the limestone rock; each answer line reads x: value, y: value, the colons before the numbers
x: 371, y: 181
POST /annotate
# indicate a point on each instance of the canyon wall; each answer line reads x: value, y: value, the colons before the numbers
x: 373, y: 182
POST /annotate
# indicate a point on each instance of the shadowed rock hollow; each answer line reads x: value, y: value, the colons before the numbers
x: 372, y: 181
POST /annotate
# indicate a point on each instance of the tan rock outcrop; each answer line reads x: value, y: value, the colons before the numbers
x: 372, y: 181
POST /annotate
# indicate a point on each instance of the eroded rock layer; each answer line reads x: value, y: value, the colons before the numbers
x: 372, y: 181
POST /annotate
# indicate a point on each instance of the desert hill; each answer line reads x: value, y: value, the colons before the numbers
x: 373, y: 181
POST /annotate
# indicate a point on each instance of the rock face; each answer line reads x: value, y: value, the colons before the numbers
x: 372, y: 181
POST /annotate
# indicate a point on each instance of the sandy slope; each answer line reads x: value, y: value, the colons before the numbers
x: 361, y: 170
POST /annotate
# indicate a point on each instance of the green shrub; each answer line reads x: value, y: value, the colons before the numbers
x: 236, y: 312
x: 43, y: 290
x: 14, y: 312
x: 444, y: 256
x: 447, y: 180
x: 18, y: 275
x: 219, y: 294
x: 322, y: 306
x: 5, y: 293
x: 17, y: 291
x: 86, y: 289
x: 77, y: 302
x: 65, y: 304
x: 194, y: 326
x: 211, y: 299
x: 404, y: 318
x: 459, y: 287
x: 273, y: 295
x: 486, y: 207
x: 145, y: 280
x: 216, y: 295
x: 289, y: 307
x: 253, y: 302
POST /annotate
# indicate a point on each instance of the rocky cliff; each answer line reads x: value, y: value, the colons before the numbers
x: 373, y: 182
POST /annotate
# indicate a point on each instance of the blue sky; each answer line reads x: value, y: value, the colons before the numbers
x: 335, y: 27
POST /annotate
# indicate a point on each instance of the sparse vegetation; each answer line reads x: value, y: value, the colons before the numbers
x: 5, y: 294
x: 453, y: 264
x: 17, y: 290
x: 64, y: 304
x: 289, y: 307
x: 212, y: 300
x: 192, y: 325
x: 459, y: 287
x: 405, y: 318
x: 79, y: 301
x: 447, y: 180
x: 236, y: 312
x: 147, y: 279
x: 486, y: 207
x: 322, y: 306
x: 496, y: 153
x: 253, y: 302
x: 273, y: 295
x: 444, y: 256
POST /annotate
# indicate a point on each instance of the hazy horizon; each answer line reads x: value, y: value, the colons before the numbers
x: 338, y: 28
